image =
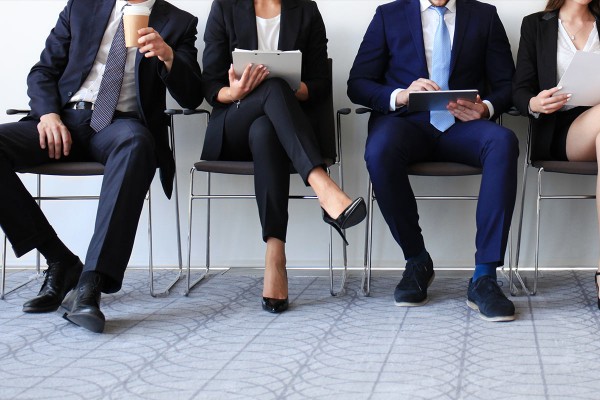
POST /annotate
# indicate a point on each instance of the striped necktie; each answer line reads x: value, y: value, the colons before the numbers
x: 112, y: 80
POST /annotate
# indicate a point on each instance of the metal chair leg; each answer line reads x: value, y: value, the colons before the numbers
x: 165, y: 291
x: 189, y: 283
x: 366, y: 278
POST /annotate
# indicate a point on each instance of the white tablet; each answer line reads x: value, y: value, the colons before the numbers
x: 281, y: 64
x: 438, y: 100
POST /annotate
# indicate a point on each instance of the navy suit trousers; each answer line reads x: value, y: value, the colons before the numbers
x: 395, y: 142
x: 125, y: 147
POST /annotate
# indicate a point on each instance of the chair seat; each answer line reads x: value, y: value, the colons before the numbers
x: 438, y: 168
x: 235, y: 167
x: 66, y: 169
x: 568, y: 167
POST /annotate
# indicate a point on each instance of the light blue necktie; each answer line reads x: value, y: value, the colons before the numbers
x: 440, y: 69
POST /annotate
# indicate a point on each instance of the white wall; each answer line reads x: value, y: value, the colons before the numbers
x: 448, y: 227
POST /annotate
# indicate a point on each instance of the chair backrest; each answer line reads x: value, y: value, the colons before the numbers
x: 321, y: 116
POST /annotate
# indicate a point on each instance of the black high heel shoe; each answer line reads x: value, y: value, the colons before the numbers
x: 275, y: 306
x: 597, y: 288
x: 352, y: 215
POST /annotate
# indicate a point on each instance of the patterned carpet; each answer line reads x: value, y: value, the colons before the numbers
x: 219, y: 344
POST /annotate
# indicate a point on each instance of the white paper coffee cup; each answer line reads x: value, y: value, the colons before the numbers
x: 134, y: 19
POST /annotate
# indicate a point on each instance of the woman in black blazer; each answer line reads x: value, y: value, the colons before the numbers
x: 549, y: 40
x: 260, y: 119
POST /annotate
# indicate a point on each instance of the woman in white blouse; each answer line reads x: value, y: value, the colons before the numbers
x: 264, y: 120
x: 549, y: 40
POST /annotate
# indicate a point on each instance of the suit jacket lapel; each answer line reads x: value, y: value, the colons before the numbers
x: 463, y: 15
x: 244, y: 21
x: 413, y: 19
x: 548, y: 48
x: 290, y: 25
x: 101, y: 10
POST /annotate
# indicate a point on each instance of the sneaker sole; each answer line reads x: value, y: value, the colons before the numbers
x: 409, y: 304
x: 500, y: 318
x: 416, y: 304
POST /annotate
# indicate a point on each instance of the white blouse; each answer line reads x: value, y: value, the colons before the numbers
x: 268, y: 33
x: 566, y: 51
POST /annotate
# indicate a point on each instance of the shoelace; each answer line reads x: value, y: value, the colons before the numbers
x: 411, y: 274
x: 50, y: 276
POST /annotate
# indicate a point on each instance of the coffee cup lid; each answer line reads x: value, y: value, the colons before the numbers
x: 131, y: 9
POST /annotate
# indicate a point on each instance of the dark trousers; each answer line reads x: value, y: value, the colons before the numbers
x: 270, y: 128
x: 125, y: 147
x: 395, y: 142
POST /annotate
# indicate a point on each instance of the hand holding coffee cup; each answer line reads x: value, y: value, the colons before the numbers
x: 134, y: 19
x: 152, y: 45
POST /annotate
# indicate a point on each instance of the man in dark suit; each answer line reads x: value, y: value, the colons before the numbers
x: 420, y: 45
x: 93, y: 99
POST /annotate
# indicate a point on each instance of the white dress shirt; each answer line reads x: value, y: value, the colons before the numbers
x: 89, y: 89
x: 267, y: 31
x: 430, y: 21
x: 566, y: 51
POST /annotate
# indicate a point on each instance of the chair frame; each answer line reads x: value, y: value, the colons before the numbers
x: 96, y: 169
x: 209, y: 196
x: 415, y: 170
x: 590, y: 168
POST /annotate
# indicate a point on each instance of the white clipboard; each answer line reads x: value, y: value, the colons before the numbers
x: 581, y: 79
x: 281, y: 64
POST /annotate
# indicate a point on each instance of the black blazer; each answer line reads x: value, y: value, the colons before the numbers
x: 536, y: 71
x: 232, y: 24
x: 70, y: 52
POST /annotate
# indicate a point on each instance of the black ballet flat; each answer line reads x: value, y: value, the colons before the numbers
x: 597, y: 288
x: 352, y: 215
x: 275, y: 306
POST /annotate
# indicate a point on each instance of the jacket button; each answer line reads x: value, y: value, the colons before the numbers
x: 70, y: 94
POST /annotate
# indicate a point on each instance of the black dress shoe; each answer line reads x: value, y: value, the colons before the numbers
x: 83, y: 305
x: 60, y: 277
x: 352, y: 215
x: 275, y: 306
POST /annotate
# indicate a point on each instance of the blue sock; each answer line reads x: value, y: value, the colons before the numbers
x: 419, y: 258
x: 485, y: 269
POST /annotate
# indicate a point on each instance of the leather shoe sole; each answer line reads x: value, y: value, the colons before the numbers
x: 91, y: 319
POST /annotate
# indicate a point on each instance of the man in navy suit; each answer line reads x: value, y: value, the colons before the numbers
x: 421, y: 45
x: 67, y: 87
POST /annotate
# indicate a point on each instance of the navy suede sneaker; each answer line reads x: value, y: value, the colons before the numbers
x: 486, y: 297
x: 412, y: 289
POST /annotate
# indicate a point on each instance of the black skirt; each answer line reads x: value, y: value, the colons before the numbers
x: 564, y: 119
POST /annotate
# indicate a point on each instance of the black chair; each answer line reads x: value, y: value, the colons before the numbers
x: 78, y: 169
x: 430, y: 168
x: 535, y: 158
x: 332, y: 150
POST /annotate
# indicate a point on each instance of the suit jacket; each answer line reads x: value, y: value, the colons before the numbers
x: 537, y: 71
x: 392, y: 56
x: 70, y: 52
x: 232, y: 24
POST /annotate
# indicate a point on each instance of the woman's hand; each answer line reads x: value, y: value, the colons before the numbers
x: 546, y: 103
x: 250, y: 79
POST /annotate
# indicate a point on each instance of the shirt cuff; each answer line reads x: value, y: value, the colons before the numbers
x: 535, y: 115
x: 490, y: 108
x: 393, y: 99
